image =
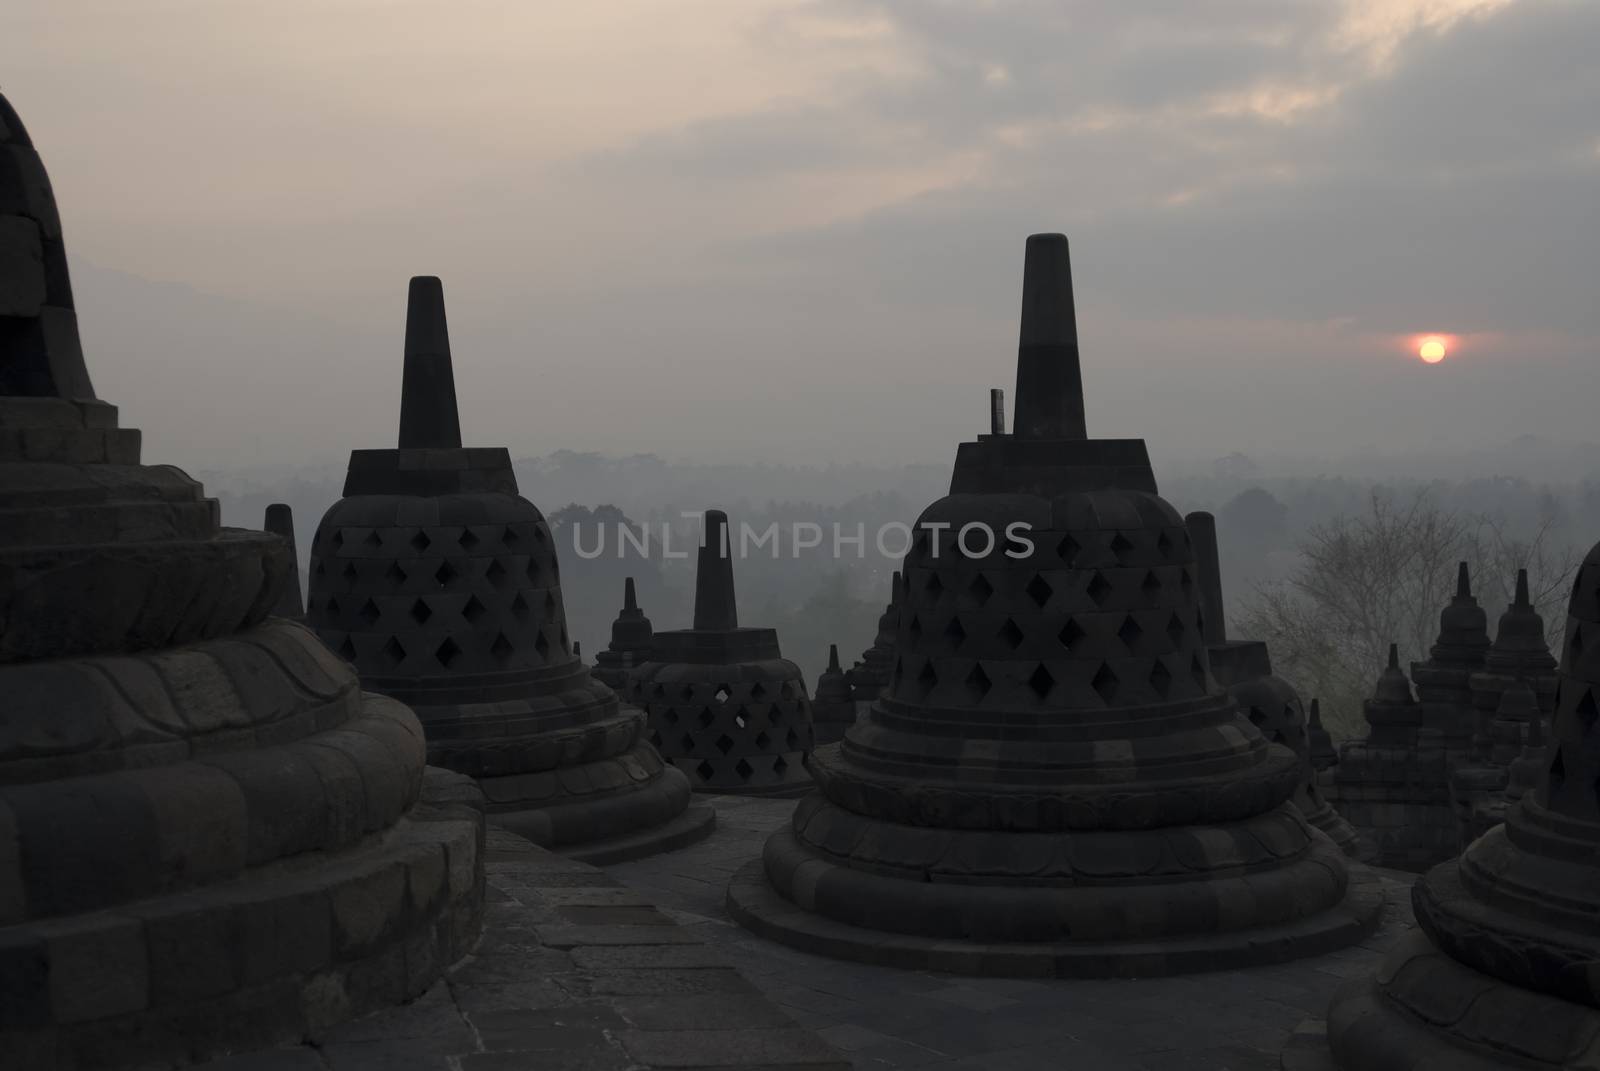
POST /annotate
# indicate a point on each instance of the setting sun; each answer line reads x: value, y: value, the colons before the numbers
x: 1432, y: 350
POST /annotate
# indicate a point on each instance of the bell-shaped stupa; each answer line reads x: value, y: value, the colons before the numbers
x: 210, y: 838
x: 1054, y: 784
x: 1503, y: 970
x: 1443, y: 681
x: 1244, y: 668
x: 833, y: 707
x: 725, y: 705
x: 442, y: 584
x: 631, y: 636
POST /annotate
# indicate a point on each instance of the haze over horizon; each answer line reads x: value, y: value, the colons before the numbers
x: 792, y: 230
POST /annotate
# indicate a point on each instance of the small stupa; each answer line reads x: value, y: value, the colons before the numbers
x: 833, y: 706
x: 730, y: 711
x: 870, y: 675
x: 631, y: 636
x: 211, y: 839
x: 280, y: 522
x: 1443, y: 681
x: 443, y: 586
x: 1054, y: 783
x: 1503, y: 970
x: 1244, y: 668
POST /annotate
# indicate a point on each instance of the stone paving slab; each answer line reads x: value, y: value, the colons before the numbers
x: 1237, y: 1020
x: 575, y: 972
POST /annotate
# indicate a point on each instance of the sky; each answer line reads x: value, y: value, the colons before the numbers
x: 792, y: 230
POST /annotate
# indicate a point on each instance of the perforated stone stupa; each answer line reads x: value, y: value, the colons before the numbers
x: 631, y: 637
x: 1244, y: 668
x: 1504, y: 969
x: 442, y: 584
x: 725, y: 706
x: 1054, y: 783
x: 210, y: 838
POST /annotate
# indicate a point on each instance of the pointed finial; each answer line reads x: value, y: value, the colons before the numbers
x: 1049, y: 400
x: 1202, y: 528
x: 1394, y: 657
x: 997, y: 411
x: 429, y: 418
x: 1522, y: 602
x: 1316, y: 713
x: 833, y: 658
x: 714, y: 606
x: 577, y: 649
x: 630, y: 601
x: 897, y: 588
x: 1463, y: 582
x: 280, y: 522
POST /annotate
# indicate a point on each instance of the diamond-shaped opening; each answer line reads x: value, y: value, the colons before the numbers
x: 395, y: 575
x: 763, y: 740
x: 791, y: 740
x: 420, y: 612
x: 758, y: 691
x: 1041, y: 681
x: 473, y: 609
x: 333, y: 606
x: 686, y: 744
x: 1120, y: 545
x: 927, y: 678
x: 509, y: 538
x: 1104, y: 683
x: 1129, y: 632
x: 369, y: 611
x: 467, y: 539
x: 1164, y: 544
x: 519, y: 607
x: 655, y: 740
x: 786, y: 690
x: 661, y: 692
x: 722, y: 694
x: 978, y: 683
x: 1071, y: 633
x: 1186, y: 582
x: 980, y: 589
x: 349, y: 572
x: 934, y: 587
x: 549, y: 605
x: 744, y: 769
x: 739, y: 717
x: 915, y: 628
x: 496, y: 573
x: 1175, y: 630
x: 1039, y: 591
x: 541, y: 645
x: 670, y: 716
x: 373, y: 539
x: 319, y: 570
x: 1099, y: 588
x: 447, y: 652
x: 954, y: 632
x: 501, y: 647
x: 532, y: 572
x: 724, y: 743
x: 687, y: 691
x: 347, y: 650
x: 445, y: 574
x: 539, y: 534
x: 779, y: 765
x: 1197, y: 670
x: 1010, y: 634
x: 1068, y: 549
x: 705, y: 769
x: 775, y: 716
x: 706, y: 717
x: 420, y: 541
x: 1161, y: 678
x: 1152, y: 583
x: 337, y: 539
x: 1558, y: 769
x: 394, y: 652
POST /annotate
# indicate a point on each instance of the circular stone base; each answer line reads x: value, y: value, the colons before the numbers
x: 694, y: 824
x: 754, y: 904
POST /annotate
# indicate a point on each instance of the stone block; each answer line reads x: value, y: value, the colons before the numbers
x: 98, y: 967
x: 368, y: 908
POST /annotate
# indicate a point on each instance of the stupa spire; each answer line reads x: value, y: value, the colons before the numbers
x: 630, y: 600
x: 1463, y: 581
x: 714, y: 606
x: 1202, y: 528
x: 429, y: 418
x: 280, y: 522
x: 1049, y: 401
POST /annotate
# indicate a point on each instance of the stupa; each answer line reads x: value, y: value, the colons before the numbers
x: 833, y: 706
x: 1054, y: 784
x: 631, y: 636
x: 1244, y: 668
x: 1444, y: 680
x: 1324, y: 756
x: 280, y: 522
x: 210, y: 838
x: 869, y: 677
x: 442, y: 584
x: 1504, y: 968
x: 728, y: 709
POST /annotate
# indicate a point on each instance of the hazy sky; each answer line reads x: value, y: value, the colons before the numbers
x: 792, y: 229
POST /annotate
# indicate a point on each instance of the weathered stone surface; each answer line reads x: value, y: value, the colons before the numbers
x: 1054, y: 782
x: 443, y: 587
x: 724, y: 705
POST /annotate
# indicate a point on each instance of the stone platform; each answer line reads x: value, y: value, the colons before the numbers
x: 575, y: 972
